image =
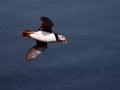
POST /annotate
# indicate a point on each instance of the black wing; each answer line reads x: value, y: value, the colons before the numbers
x: 36, y: 50
x: 46, y: 25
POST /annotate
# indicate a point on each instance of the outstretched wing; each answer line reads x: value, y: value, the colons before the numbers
x: 36, y: 50
x: 46, y: 25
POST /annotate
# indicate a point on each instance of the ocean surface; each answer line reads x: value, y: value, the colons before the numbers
x: 91, y: 59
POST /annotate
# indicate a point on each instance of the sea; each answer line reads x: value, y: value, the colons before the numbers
x: 90, y: 60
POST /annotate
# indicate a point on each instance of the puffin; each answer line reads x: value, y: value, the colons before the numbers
x: 42, y: 36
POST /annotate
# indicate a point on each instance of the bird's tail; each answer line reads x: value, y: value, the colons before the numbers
x: 26, y: 33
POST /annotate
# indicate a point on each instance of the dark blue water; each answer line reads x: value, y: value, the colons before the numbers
x: 91, y: 59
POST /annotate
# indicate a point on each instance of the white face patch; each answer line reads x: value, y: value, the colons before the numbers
x: 61, y: 37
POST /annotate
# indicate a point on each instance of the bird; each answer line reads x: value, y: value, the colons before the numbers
x: 43, y: 36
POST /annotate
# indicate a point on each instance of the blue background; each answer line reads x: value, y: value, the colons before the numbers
x: 91, y: 59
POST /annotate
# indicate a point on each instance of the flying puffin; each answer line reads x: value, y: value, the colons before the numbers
x: 42, y: 37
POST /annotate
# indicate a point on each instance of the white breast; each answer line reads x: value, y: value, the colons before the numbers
x: 43, y: 36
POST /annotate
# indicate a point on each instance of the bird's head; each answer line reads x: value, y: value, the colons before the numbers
x: 62, y: 39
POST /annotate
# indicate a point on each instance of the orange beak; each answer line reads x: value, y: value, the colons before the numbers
x: 65, y: 41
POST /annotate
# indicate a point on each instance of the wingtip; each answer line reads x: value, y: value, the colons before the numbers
x: 28, y: 59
